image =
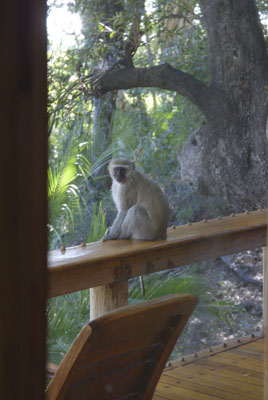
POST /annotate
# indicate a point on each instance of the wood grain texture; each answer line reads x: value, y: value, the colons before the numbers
x: 226, y: 374
x: 23, y: 200
x: 123, y: 353
x: 100, y: 263
x: 265, y: 317
x: 107, y: 298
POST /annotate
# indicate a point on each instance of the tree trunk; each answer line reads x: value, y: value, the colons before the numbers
x: 228, y: 156
x: 104, y: 108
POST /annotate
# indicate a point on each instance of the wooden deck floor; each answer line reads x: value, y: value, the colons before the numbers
x: 235, y: 372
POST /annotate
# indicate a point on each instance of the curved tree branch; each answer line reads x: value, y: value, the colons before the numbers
x: 208, y: 100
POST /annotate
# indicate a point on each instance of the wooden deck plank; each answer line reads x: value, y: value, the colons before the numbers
x: 172, y: 392
x: 231, y: 357
x: 254, y: 355
x: 210, y: 371
x: 224, y: 384
x: 233, y: 374
x: 241, y: 355
x: 256, y: 345
x: 98, y: 263
x: 229, y: 368
x: 205, y: 386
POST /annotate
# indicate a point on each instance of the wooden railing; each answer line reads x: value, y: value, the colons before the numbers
x: 106, y: 267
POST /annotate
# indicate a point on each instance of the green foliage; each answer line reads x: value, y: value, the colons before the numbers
x: 66, y: 316
x: 97, y: 227
x: 263, y: 8
x: 150, y: 129
x: 148, y: 126
x: 163, y: 283
x: 63, y: 199
x: 72, y: 216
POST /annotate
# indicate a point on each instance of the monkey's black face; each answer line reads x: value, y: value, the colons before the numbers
x: 120, y: 174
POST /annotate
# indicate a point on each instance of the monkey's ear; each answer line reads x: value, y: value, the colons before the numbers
x: 133, y: 165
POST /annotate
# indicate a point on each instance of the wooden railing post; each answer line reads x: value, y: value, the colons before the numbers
x: 265, y: 319
x: 265, y: 290
x: 107, y: 298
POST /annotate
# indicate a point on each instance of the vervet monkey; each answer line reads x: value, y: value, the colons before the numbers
x: 143, y: 210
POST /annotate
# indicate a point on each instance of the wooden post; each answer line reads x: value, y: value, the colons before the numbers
x: 23, y: 200
x: 107, y: 298
x: 265, y: 291
x: 265, y: 319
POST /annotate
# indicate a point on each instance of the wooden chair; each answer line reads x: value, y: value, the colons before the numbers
x: 122, y: 354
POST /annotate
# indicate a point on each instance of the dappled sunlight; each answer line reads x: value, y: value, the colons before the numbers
x: 63, y: 26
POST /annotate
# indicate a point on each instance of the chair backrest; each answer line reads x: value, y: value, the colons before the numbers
x: 122, y: 354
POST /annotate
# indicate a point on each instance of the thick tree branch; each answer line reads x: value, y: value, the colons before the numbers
x: 164, y: 76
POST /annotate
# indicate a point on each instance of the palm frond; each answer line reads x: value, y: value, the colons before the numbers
x: 63, y: 197
x: 66, y: 316
x: 97, y: 224
x: 161, y: 284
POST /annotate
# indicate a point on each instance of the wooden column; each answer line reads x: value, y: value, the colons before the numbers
x: 265, y: 319
x: 265, y: 289
x: 107, y: 298
x: 23, y: 199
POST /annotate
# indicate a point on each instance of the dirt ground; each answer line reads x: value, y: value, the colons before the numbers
x: 237, y: 279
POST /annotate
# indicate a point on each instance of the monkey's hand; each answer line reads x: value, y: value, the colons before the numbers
x: 113, y: 232
x: 109, y: 235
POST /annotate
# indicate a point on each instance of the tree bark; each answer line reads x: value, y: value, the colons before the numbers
x: 104, y: 108
x: 229, y: 157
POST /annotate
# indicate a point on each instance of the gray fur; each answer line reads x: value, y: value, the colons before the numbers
x: 143, y: 210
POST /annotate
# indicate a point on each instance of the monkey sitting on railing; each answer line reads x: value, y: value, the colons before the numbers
x: 143, y: 210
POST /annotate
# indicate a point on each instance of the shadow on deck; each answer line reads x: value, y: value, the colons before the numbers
x: 234, y: 371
